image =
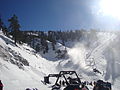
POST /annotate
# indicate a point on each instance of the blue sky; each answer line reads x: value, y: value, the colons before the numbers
x: 55, y: 14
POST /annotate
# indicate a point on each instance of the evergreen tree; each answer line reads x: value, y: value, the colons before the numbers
x: 5, y: 30
x: 52, y: 38
x: 37, y: 48
x: 1, y: 24
x: 14, y: 27
x: 46, y: 47
x: 44, y: 42
x: 3, y: 27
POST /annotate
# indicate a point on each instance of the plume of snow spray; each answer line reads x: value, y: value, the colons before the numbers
x: 77, y: 54
x: 112, y: 57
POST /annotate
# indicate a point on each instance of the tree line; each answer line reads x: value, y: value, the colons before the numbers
x: 39, y: 40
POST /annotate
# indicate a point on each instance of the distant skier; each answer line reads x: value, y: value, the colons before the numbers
x: 1, y: 85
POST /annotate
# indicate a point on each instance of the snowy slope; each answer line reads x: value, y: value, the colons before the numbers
x: 83, y: 60
x: 30, y: 76
x: 21, y: 67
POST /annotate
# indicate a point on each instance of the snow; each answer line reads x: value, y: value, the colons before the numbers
x: 14, y: 78
x: 40, y: 65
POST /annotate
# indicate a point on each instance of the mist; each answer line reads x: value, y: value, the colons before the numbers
x: 98, y: 50
x: 112, y: 57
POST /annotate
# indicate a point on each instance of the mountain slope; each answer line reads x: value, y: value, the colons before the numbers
x: 17, y: 75
x: 21, y: 67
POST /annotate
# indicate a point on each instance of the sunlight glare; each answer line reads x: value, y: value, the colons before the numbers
x: 110, y: 8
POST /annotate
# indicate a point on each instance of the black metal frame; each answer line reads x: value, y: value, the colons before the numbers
x: 63, y: 73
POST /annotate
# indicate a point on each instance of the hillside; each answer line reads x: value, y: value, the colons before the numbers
x: 21, y: 67
x: 17, y: 75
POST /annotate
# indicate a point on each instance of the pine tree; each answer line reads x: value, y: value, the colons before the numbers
x: 37, y: 48
x: 52, y: 38
x: 1, y: 24
x: 5, y: 30
x: 14, y: 27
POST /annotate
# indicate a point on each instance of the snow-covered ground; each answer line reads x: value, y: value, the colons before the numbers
x: 30, y: 76
x: 18, y: 75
